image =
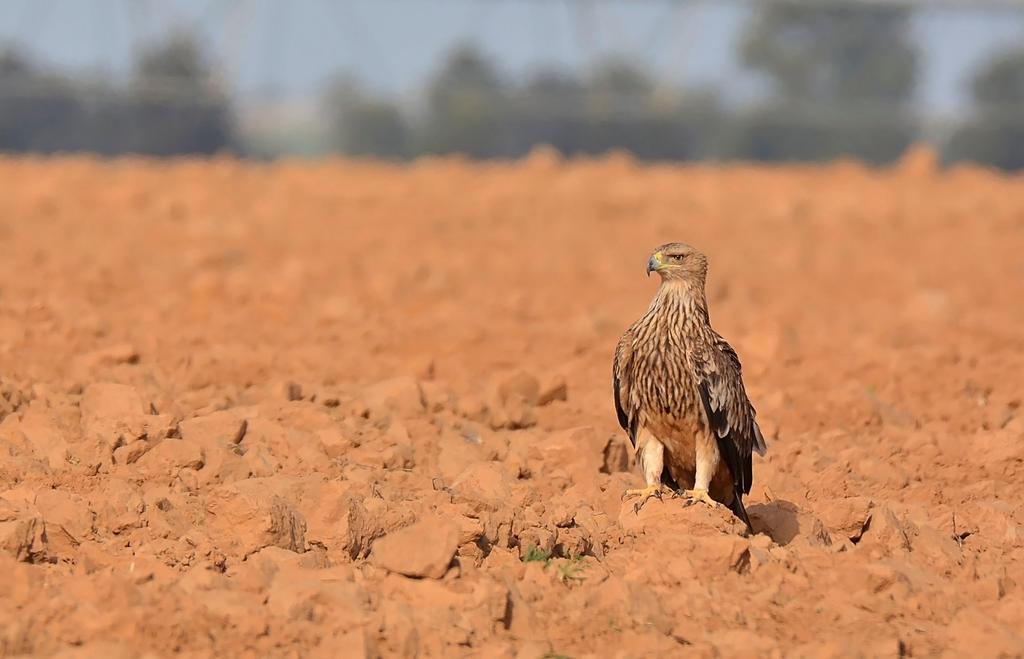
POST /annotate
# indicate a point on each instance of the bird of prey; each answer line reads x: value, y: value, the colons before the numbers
x: 679, y: 393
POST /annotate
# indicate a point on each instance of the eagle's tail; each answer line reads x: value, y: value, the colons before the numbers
x: 737, y: 509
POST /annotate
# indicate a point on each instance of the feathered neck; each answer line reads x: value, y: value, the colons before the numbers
x: 682, y: 297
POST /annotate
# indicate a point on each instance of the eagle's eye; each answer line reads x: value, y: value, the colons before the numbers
x: 677, y: 257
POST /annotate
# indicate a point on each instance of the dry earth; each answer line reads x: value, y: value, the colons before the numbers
x: 337, y: 409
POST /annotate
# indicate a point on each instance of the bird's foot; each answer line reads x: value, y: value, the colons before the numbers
x: 700, y: 495
x: 644, y: 494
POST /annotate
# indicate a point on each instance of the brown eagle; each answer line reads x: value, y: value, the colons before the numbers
x: 679, y: 392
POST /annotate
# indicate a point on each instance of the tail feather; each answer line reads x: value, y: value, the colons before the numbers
x: 737, y: 509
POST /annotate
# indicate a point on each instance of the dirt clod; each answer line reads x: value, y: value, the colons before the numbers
x: 424, y: 549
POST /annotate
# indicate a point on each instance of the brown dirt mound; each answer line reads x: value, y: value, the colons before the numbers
x: 338, y: 409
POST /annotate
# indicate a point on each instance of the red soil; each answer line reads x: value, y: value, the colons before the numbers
x: 329, y: 409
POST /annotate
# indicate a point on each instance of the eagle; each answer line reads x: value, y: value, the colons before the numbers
x: 679, y: 393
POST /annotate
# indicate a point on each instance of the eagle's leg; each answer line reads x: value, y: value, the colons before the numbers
x: 652, y: 460
x: 707, y: 458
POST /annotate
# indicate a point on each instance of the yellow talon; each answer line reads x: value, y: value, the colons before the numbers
x: 700, y: 495
x: 644, y: 494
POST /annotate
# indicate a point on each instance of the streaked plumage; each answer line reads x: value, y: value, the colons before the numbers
x: 679, y: 392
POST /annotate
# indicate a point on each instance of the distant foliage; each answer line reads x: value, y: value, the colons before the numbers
x: 842, y: 82
x: 467, y: 108
x: 38, y: 111
x: 471, y: 109
x: 829, y: 53
x: 549, y: 110
x: 361, y: 125
x: 169, y: 108
x: 995, y: 133
x: 625, y: 109
x: 842, y: 79
x: 839, y: 81
x: 172, y: 105
x: 779, y: 131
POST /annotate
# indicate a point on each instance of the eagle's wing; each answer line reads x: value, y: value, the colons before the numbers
x: 729, y: 412
x: 621, y: 385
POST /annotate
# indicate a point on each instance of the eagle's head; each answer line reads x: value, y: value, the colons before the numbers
x: 679, y: 262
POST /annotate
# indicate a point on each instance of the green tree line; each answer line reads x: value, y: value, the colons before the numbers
x: 837, y: 81
x: 168, y: 107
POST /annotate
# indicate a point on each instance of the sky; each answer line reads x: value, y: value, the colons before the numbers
x: 288, y: 49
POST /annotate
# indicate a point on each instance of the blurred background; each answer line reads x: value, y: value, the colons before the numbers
x: 662, y: 79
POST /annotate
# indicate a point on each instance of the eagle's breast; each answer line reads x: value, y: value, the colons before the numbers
x: 663, y: 374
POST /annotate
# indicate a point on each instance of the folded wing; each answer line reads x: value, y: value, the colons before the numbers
x: 621, y: 381
x: 730, y: 415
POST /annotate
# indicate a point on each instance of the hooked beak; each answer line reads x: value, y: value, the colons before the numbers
x: 655, y: 263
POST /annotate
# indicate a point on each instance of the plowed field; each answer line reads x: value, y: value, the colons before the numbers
x: 351, y: 409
